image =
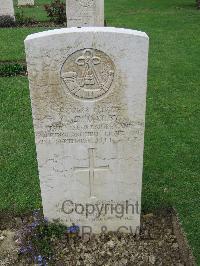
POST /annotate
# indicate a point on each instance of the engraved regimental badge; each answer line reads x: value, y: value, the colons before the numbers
x: 86, y: 3
x: 87, y: 74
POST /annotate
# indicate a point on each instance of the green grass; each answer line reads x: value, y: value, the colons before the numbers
x: 37, y: 11
x: 172, y: 143
x: 19, y: 178
x: 12, y: 42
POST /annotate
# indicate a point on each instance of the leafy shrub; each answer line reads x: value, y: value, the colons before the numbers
x: 21, y: 19
x: 12, y: 69
x: 198, y: 4
x: 56, y: 11
x: 7, y: 21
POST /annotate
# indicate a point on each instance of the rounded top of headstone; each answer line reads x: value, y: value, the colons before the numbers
x: 86, y: 29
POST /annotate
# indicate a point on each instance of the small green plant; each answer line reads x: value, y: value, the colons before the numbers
x: 21, y: 19
x: 56, y: 11
x: 7, y: 21
x: 38, y: 238
x: 12, y: 69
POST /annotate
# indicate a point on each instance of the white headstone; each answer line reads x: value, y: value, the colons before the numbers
x: 6, y: 8
x: 88, y: 94
x: 84, y: 13
x: 25, y: 2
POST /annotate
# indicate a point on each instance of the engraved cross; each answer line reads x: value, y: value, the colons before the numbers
x: 91, y: 169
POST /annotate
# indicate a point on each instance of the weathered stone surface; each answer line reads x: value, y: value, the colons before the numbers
x: 6, y: 8
x: 88, y: 94
x: 25, y: 2
x: 84, y: 13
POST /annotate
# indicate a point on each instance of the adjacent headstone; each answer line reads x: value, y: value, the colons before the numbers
x: 88, y: 94
x: 84, y: 13
x: 7, y: 9
x: 25, y: 2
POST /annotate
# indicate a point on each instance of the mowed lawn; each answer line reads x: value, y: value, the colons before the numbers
x: 172, y: 142
x: 37, y: 11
